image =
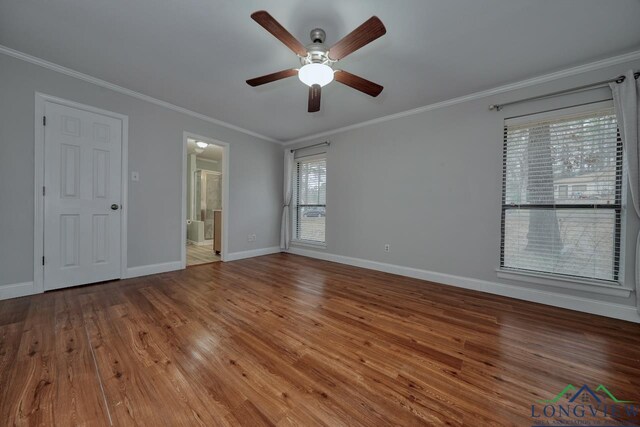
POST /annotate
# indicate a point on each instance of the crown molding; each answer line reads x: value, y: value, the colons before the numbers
x: 614, y: 60
x: 102, y: 83
x: 477, y: 95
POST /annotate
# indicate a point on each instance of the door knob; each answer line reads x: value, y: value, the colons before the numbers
x: 114, y: 207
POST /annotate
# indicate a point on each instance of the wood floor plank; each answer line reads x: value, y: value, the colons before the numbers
x: 53, y: 379
x: 283, y: 340
x: 201, y: 254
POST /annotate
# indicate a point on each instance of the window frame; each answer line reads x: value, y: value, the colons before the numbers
x: 613, y: 287
x: 296, y: 207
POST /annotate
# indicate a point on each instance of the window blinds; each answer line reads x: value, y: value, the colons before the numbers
x: 310, y: 189
x: 562, y: 190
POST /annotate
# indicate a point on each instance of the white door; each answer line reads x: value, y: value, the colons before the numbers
x: 82, y: 178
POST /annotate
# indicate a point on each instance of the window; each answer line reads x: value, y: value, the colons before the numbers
x: 310, y: 192
x: 578, y: 190
x: 563, y: 191
x: 574, y: 231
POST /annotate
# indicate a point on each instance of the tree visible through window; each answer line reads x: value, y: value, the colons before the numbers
x: 562, y: 190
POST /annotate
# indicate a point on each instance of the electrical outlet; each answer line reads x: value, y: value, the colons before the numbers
x: 251, y: 238
x: 387, y: 247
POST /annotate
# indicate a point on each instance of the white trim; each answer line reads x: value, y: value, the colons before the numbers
x: 146, y: 270
x: 202, y: 159
x: 184, y: 200
x: 564, y: 113
x: 38, y: 228
x: 38, y: 204
x: 234, y: 256
x: 627, y: 57
x: 16, y: 290
x: 226, y: 214
x: 587, y: 305
x: 568, y: 72
x: 582, y: 284
x: 310, y: 157
x: 207, y: 171
x: 124, y: 243
x: 99, y: 82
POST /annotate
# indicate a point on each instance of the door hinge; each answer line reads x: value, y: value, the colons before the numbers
x: 44, y: 120
x: 43, y: 260
x: 44, y: 190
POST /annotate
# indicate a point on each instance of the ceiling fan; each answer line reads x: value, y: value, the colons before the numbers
x: 317, y: 59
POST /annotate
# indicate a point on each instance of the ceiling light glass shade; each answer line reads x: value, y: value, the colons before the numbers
x: 316, y: 74
x: 201, y: 144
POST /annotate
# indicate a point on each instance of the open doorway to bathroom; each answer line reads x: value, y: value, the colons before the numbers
x: 204, y: 201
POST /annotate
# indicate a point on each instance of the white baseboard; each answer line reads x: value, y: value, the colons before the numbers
x: 16, y: 290
x: 233, y: 256
x: 586, y: 305
x: 145, y: 270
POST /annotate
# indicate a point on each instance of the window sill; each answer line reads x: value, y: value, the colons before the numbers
x: 309, y: 244
x: 585, y: 285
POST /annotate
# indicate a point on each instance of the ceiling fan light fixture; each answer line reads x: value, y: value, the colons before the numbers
x: 316, y: 59
x: 201, y: 144
x: 315, y: 74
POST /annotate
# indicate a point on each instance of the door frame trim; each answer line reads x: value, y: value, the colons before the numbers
x: 225, y: 194
x: 38, y: 226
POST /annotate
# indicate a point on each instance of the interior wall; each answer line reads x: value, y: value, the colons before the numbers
x: 429, y: 185
x: 155, y: 151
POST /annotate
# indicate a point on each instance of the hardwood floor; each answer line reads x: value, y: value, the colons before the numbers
x: 285, y: 340
x: 201, y: 254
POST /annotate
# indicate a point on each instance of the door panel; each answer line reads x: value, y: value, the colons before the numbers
x: 70, y: 171
x: 69, y: 240
x: 100, y: 229
x: 83, y: 152
x: 101, y: 174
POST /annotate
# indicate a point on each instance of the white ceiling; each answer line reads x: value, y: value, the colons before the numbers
x: 197, y: 54
x: 210, y: 152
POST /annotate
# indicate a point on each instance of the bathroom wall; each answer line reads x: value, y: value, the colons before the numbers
x: 193, y: 164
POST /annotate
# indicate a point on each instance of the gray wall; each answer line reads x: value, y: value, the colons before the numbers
x: 430, y: 185
x: 155, y: 151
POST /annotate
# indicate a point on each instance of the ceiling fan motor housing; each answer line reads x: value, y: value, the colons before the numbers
x: 318, y: 35
x: 317, y: 52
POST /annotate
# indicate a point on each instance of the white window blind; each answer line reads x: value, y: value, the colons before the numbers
x: 562, y: 195
x: 310, y: 199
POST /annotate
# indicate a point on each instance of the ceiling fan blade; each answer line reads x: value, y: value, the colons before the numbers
x: 358, y: 83
x: 272, y: 77
x: 314, y: 98
x: 361, y: 36
x: 268, y: 22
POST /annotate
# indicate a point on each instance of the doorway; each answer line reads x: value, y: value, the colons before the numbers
x: 80, y: 227
x: 204, y: 202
